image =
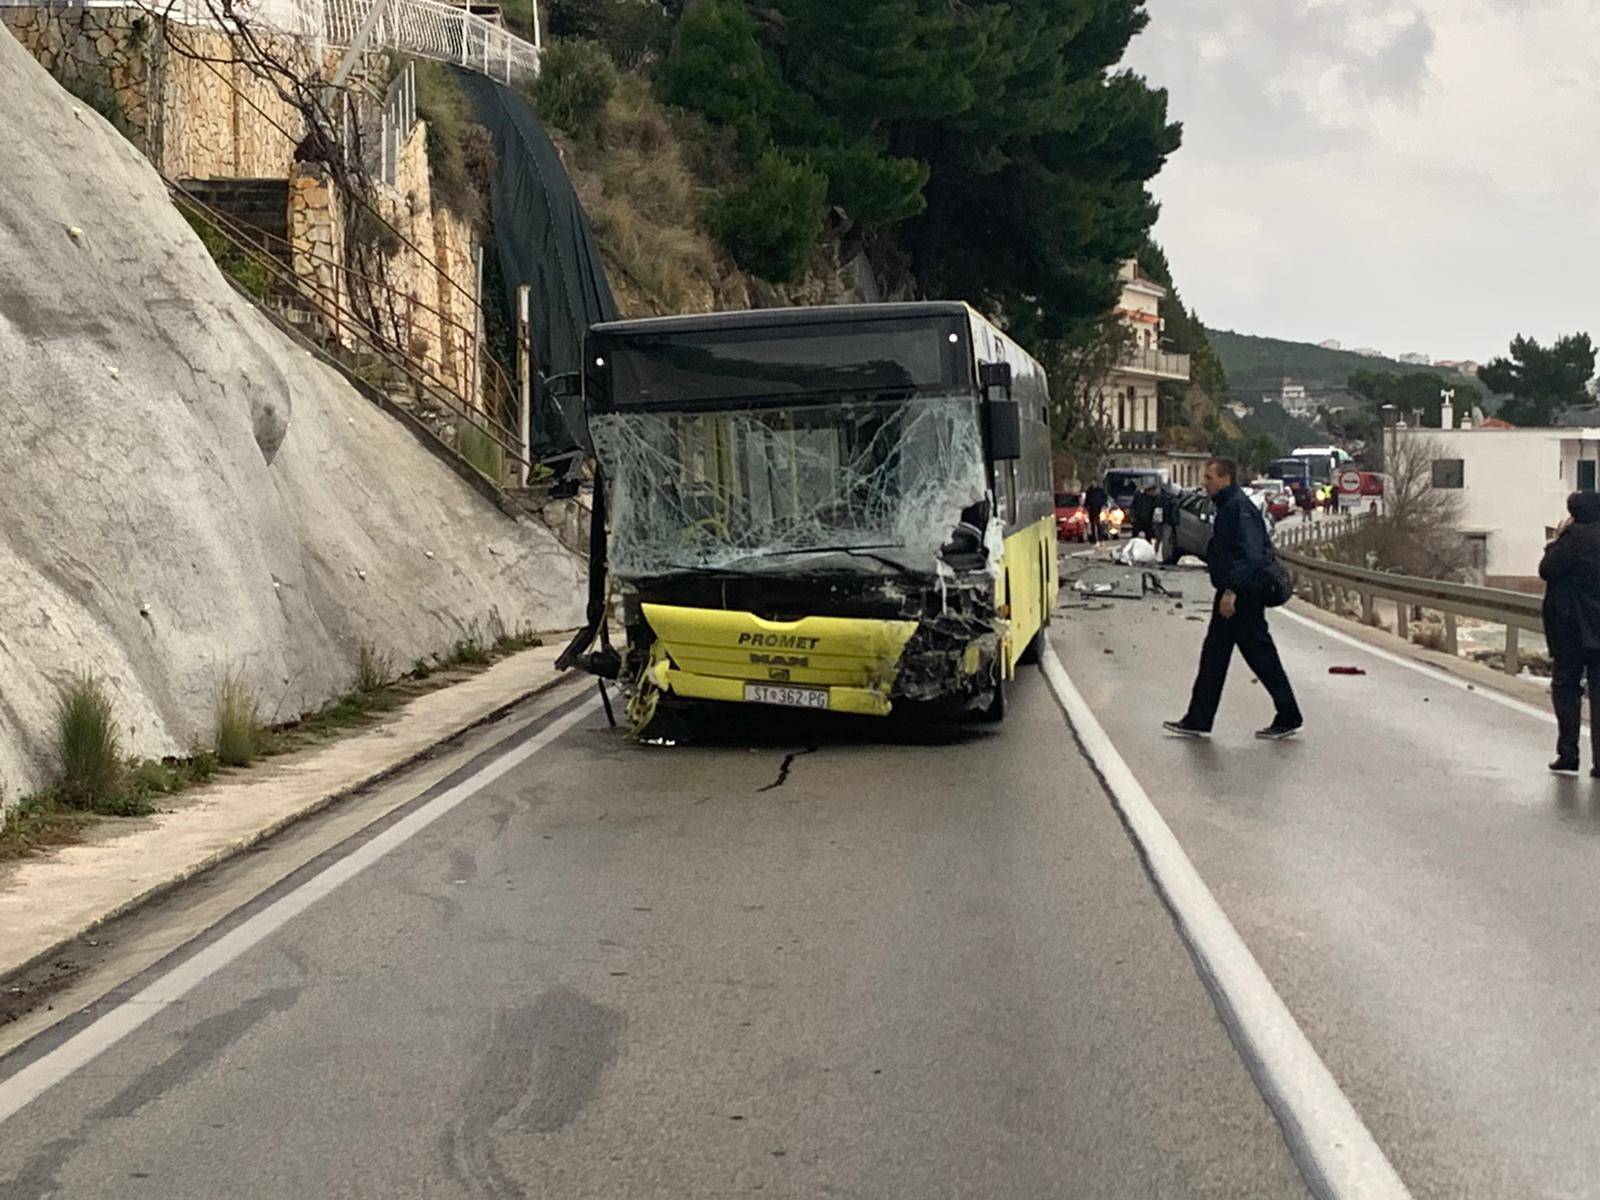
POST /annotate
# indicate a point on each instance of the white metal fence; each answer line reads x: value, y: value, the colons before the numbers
x: 432, y: 29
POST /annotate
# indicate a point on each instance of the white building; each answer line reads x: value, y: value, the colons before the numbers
x: 1130, y: 396
x: 1295, y: 399
x: 1514, y: 485
x: 1416, y: 360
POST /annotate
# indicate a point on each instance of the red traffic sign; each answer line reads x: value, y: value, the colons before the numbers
x: 1350, y: 481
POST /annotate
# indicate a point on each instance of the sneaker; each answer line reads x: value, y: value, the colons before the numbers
x: 1276, y: 732
x: 1566, y: 766
x: 1184, y: 729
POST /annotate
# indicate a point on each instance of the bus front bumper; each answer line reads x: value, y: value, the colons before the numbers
x: 863, y: 701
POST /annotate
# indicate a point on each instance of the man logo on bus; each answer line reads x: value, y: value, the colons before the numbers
x: 780, y: 660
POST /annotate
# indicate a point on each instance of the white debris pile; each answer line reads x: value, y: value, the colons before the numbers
x: 185, y: 491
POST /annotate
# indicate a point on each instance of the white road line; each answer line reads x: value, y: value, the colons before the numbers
x: 38, y: 1077
x: 1437, y: 674
x: 1335, y: 1152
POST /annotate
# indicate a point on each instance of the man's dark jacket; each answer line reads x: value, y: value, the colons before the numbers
x: 1571, y: 571
x: 1095, y: 497
x: 1144, y: 510
x: 1241, y: 554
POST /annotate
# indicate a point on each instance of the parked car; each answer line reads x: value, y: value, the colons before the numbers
x: 1072, y: 518
x: 1188, y: 517
x: 1272, y: 498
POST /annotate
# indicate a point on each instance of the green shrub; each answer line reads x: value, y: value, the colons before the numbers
x: 460, y: 151
x: 244, y: 269
x: 770, y: 224
x: 239, y: 732
x: 202, y: 766
x: 576, y: 78
x: 632, y: 31
x: 469, y: 651
x: 87, y: 744
x: 151, y: 777
x: 719, y: 69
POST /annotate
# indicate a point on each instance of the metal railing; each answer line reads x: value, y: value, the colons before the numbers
x: 495, y: 391
x: 1331, y: 582
x: 432, y: 29
x: 1156, y: 362
x: 1294, y: 532
x: 396, y: 118
x: 436, y: 30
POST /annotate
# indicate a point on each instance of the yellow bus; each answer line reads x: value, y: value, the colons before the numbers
x: 845, y: 508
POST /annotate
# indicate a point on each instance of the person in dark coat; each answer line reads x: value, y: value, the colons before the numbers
x: 1571, y: 571
x: 1144, y: 512
x: 1094, y: 501
x: 1240, y: 562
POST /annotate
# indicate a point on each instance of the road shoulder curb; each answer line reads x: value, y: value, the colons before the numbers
x: 316, y: 802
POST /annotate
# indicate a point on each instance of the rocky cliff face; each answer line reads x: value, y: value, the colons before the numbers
x: 184, y: 491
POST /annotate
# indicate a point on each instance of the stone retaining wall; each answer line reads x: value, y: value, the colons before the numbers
x: 194, y: 119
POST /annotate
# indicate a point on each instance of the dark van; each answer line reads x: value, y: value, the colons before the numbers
x: 1124, y: 483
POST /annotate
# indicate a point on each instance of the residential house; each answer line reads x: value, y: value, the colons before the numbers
x: 1295, y: 399
x: 1513, y: 485
x: 1131, y: 396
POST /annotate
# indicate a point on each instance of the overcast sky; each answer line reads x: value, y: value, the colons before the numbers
x: 1412, y: 175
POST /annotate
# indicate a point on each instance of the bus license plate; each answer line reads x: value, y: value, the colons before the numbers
x: 790, y: 697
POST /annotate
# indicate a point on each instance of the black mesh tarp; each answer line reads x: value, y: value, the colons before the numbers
x: 544, y: 241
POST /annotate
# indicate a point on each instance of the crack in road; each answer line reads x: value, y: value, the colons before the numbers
x: 784, y: 768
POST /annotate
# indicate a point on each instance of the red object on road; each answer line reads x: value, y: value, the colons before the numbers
x: 1345, y: 671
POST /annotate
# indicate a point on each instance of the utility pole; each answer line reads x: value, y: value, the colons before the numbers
x: 525, y: 383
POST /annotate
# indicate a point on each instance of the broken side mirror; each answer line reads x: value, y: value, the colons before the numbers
x: 1005, y: 429
x: 994, y: 375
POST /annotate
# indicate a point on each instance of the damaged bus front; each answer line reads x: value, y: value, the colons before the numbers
x: 835, y: 508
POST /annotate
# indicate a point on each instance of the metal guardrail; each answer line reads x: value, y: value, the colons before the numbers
x: 1328, y: 580
x: 432, y: 29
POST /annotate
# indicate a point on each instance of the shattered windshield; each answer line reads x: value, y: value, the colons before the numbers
x: 867, y: 484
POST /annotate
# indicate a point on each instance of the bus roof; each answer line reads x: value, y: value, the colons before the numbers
x: 758, y: 318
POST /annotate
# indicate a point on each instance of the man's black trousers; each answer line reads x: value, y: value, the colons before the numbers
x: 1566, y: 697
x: 1246, y: 629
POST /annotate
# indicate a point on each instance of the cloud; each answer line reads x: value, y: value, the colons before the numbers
x: 1402, y: 173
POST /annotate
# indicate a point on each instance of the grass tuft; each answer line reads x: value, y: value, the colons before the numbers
x: 374, y: 669
x: 239, y: 738
x: 87, y: 744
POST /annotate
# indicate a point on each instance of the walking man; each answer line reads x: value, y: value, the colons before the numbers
x: 1571, y: 571
x: 1094, y: 500
x: 1240, y: 561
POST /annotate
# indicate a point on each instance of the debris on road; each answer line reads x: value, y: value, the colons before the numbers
x: 1345, y: 671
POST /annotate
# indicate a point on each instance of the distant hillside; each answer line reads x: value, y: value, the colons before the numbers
x: 1258, y: 365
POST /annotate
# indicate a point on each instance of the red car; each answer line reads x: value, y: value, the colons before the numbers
x: 1072, y: 518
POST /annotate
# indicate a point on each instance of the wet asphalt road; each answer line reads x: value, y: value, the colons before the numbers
x: 1421, y: 892
x: 931, y: 966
